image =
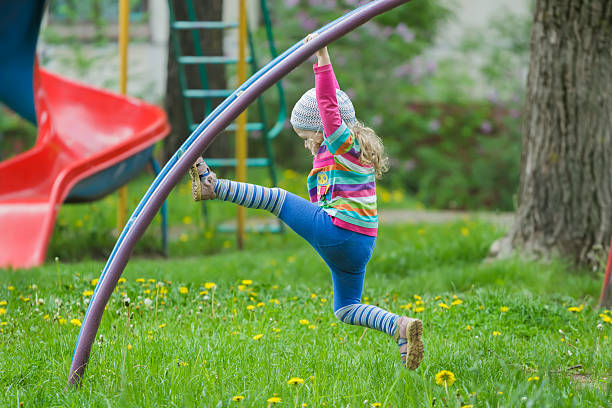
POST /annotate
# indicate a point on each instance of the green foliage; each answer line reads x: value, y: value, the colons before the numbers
x: 16, y: 134
x: 163, y: 346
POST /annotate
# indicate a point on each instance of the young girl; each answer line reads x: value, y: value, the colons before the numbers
x: 340, y: 221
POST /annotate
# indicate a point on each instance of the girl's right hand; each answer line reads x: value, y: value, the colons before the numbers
x: 322, y: 54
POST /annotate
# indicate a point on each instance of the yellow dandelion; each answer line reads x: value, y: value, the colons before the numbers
x: 375, y: 404
x: 257, y: 336
x: 46, y: 317
x: 3, y: 323
x: 11, y: 287
x: 419, y: 309
x: 2, y: 311
x: 534, y: 378
x: 204, y: 292
x: 333, y: 324
x: 187, y: 220
x: 3, y: 303
x: 274, y: 400
x: 129, y: 347
x: 500, y: 392
x: 503, y: 309
x: 275, y: 301
x: 323, y: 300
x: 418, y: 302
x: 161, y: 326
x: 87, y: 292
x: 304, y: 322
x: 242, y: 288
x: 445, y: 377
x: 465, y: 231
x: 575, y: 309
x: 276, y: 330
x: 25, y: 299
x: 238, y: 398
x: 246, y: 282
x: 275, y: 287
x: 443, y: 305
x: 75, y: 322
x: 468, y: 327
x: 467, y: 406
x: 456, y: 302
x: 140, y: 280
x: 496, y: 333
x: 417, y: 297
x: 312, y: 326
x: 210, y: 285
x: 62, y: 320
x: 250, y: 307
x: 261, y: 304
x: 295, y: 381
x: 184, y: 237
x: 183, y: 290
x: 605, y: 318
x: 94, y: 282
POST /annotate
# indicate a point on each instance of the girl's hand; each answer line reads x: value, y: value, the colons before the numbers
x: 322, y: 54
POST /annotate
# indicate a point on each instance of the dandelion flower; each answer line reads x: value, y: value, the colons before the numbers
x: 241, y: 288
x: 187, y: 220
x: 534, y: 378
x: 46, y: 317
x: 11, y: 287
x: 238, y: 398
x: 304, y: 322
x: 419, y: 309
x: 210, y: 285
x: 312, y: 326
x: 456, y: 302
x: 445, y: 377
x: 274, y: 400
x: 247, y: 282
x: 261, y: 304
x: 496, y: 333
x: 94, y: 282
x: 465, y: 231
x: 295, y: 381
x: 75, y: 322
x: 503, y: 309
x: 129, y: 346
x: 2, y: 311
x: 3, y: 303
x: 443, y: 305
x: 161, y: 326
x: 468, y: 327
x: 257, y: 336
x: 121, y: 280
x: 250, y: 307
x: 87, y: 292
x: 62, y: 321
x: 375, y: 404
x: 417, y: 297
x: 575, y: 309
x: 183, y: 290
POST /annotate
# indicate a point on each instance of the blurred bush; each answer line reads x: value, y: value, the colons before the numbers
x: 447, y: 147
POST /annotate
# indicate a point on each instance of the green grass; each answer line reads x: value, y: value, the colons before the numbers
x: 177, y: 353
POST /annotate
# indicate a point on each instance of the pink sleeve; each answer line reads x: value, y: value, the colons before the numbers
x: 325, y: 86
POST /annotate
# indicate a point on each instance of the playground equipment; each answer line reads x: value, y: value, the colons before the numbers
x: 240, y: 162
x: 180, y: 162
x: 605, y: 298
x: 90, y: 141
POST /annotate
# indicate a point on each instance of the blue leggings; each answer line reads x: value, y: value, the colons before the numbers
x: 345, y: 252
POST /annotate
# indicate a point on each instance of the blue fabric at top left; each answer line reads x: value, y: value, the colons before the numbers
x: 19, y: 27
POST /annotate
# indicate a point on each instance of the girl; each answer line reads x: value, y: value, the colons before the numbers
x: 340, y: 221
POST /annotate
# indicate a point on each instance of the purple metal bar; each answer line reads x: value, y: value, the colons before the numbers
x: 136, y: 226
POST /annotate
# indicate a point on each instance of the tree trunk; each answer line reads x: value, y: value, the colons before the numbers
x: 212, y: 44
x: 565, y: 191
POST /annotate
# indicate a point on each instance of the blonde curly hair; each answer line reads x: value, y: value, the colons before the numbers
x: 371, y: 145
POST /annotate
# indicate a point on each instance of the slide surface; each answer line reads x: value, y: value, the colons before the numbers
x: 81, y: 132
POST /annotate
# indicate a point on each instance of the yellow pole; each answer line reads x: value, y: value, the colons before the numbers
x: 241, y: 133
x: 124, y: 13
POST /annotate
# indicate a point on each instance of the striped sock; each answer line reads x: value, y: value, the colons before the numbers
x: 251, y: 195
x: 368, y: 316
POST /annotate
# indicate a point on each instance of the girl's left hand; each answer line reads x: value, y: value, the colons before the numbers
x: 322, y: 54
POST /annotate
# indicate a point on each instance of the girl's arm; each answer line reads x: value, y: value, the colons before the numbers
x: 326, y: 85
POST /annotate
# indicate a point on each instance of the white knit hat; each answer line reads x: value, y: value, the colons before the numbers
x: 305, y: 114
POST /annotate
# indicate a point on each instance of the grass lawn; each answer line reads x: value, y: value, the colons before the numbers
x: 169, y: 338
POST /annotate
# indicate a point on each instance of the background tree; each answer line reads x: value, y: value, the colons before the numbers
x: 212, y: 44
x: 565, y: 190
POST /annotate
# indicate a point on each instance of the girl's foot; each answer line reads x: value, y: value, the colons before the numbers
x: 408, y: 338
x: 203, y: 181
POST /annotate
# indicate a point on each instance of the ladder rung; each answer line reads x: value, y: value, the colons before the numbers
x: 199, y: 25
x: 231, y: 162
x: 251, y: 127
x: 207, y: 93
x: 209, y: 60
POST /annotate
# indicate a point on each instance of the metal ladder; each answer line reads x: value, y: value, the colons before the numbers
x: 207, y: 94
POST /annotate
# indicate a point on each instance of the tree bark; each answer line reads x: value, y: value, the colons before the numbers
x: 212, y: 44
x: 565, y: 189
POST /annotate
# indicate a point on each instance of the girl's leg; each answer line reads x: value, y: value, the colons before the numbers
x: 251, y: 195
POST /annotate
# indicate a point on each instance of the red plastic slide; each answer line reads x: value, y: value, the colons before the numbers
x: 81, y: 131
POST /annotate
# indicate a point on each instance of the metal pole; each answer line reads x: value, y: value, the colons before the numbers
x: 124, y: 14
x: 241, y: 123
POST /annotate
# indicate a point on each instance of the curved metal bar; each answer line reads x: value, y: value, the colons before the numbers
x: 180, y: 162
